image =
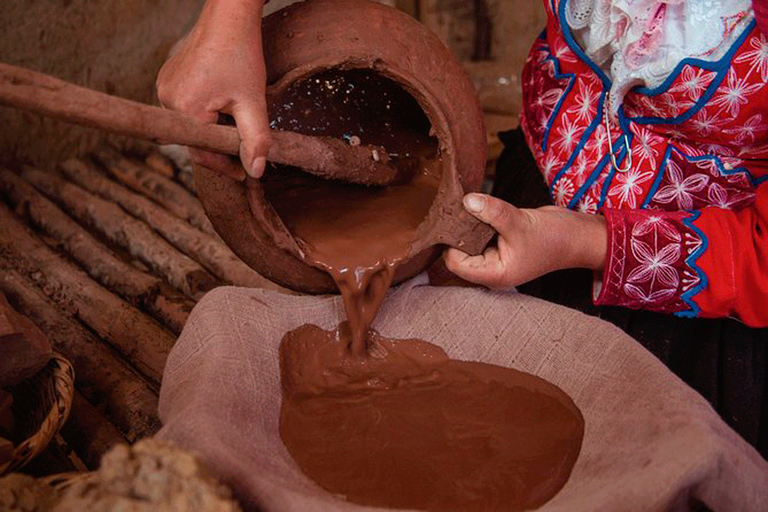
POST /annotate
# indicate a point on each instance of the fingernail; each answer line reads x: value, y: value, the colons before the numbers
x: 257, y: 169
x: 474, y: 203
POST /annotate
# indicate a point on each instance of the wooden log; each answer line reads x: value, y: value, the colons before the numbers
x: 182, y: 161
x: 186, y: 179
x: 138, y: 337
x: 207, y: 250
x: 89, y: 433
x: 101, y: 375
x: 158, y: 162
x: 172, y: 196
x: 137, y: 287
x: 122, y: 229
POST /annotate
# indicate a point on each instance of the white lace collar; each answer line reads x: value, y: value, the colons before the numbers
x: 639, y: 42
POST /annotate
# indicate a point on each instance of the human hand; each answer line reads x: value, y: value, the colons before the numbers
x: 531, y: 243
x: 219, y: 68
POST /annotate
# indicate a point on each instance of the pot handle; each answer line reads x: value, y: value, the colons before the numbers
x: 463, y: 231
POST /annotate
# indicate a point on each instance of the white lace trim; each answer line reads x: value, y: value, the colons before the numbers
x: 639, y: 42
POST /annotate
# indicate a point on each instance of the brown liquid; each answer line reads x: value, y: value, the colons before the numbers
x: 409, y: 428
x: 358, y: 234
x: 398, y: 424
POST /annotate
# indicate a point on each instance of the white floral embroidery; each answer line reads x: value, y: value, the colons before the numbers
x: 628, y: 189
x: 636, y: 293
x: 563, y: 52
x: 645, y: 148
x: 650, y: 104
x: 745, y: 132
x: 709, y: 165
x: 548, y: 99
x: 581, y: 168
x: 598, y: 142
x: 655, y: 265
x: 657, y: 225
x: 569, y: 133
x: 680, y: 189
x: 751, y: 151
x: 734, y: 94
x: 694, y: 81
x: 712, y: 148
x: 587, y: 204
x: 563, y: 190
x: 585, y: 104
x: 719, y: 197
x: 758, y: 56
x: 706, y: 122
x: 551, y: 162
x: 674, y: 104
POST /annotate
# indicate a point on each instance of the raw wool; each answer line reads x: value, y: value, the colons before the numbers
x: 651, y: 442
x: 150, y: 476
x: 115, y: 46
x: 23, y: 493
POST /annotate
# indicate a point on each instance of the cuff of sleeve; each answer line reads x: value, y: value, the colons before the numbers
x: 650, y: 261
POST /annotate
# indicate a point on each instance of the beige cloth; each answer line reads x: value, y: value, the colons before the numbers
x: 651, y: 442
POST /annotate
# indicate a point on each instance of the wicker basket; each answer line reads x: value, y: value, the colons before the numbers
x: 41, y: 405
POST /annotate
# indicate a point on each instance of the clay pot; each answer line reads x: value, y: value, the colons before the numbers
x: 310, y: 37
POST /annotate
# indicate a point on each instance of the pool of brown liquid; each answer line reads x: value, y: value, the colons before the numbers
x: 407, y: 427
x: 397, y: 423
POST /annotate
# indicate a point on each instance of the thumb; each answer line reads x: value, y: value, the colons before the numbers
x: 253, y: 127
x: 499, y: 214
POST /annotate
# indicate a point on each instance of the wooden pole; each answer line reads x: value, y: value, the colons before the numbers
x: 139, y: 338
x: 137, y: 287
x: 101, y: 375
x: 127, y: 232
x: 89, y: 433
x: 207, y: 250
x: 172, y: 196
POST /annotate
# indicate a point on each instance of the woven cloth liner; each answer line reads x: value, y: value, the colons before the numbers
x: 651, y: 442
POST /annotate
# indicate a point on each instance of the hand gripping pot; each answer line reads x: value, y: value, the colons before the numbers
x: 313, y: 37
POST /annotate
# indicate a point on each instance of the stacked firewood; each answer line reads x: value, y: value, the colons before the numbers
x: 108, y: 255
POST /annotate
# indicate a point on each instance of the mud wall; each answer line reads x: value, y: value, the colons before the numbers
x: 116, y: 46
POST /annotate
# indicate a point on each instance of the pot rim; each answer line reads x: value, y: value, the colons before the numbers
x: 449, y: 179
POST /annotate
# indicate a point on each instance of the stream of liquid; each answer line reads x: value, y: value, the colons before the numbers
x: 397, y: 423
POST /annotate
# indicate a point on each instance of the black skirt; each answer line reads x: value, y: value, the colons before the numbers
x: 724, y: 360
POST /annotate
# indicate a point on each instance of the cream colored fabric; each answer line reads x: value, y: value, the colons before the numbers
x: 651, y: 443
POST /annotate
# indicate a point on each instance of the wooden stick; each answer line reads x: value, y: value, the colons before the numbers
x: 103, y: 377
x: 139, y: 288
x: 324, y: 156
x: 127, y: 232
x: 139, y: 338
x: 89, y: 433
x: 209, y: 251
x: 172, y: 196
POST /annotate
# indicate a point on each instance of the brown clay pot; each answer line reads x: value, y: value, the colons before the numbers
x: 310, y: 37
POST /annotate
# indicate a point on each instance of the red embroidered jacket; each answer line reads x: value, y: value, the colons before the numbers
x: 688, y: 220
